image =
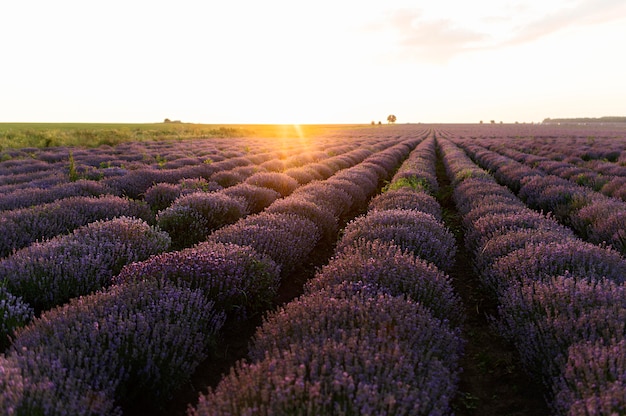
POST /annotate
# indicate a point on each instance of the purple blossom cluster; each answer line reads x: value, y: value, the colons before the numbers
x: 286, y: 238
x: 397, y: 271
x: 559, y: 298
x: 406, y: 199
x: 162, y: 195
x: 420, y: 165
x: 137, y: 341
x: 192, y: 217
x: 27, y: 197
x: 593, y: 216
x: 14, y: 313
x: 412, y: 230
x: 256, y: 198
x: 329, y: 352
x: 50, y: 273
x: 238, y: 279
x: 603, y: 367
x: 23, y: 226
x: 279, y: 182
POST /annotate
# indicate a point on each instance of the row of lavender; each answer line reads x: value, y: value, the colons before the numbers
x: 33, y: 181
x: 378, y: 301
x: 595, y: 217
x: 141, y: 338
x: 20, y: 227
x: 50, y: 273
x: 561, y: 301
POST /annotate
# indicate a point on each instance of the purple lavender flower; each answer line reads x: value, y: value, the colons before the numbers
x: 134, y: 341
x: 413, y: 230
x: 238, y: 279
x: 14, y: 313
x: 192, y: 217
x: 50, y: 273
x: 329, y: 352
x: 257, y: 198
x: 396, y: 271
x: 594, y: 380
x: 24, y: 226
x: 279, y: 182
x: 287, y: 238
x: 405, y: 198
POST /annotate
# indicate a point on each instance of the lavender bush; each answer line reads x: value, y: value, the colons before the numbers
x: 21, y: 227
x: 413, y: 230
x: 329, y: 353
x: 238, y: 279
x: 14, y: 313
x: 192, y: 217
x: 544, y: 318
x: 398, y: 272
x: 331, y: 198
x: 257, y: 198
x: 542, y: 260
x: 297, y: 205
x: 134, y: 341
x: 39, y: 385
x: 50, y: 273
x: 279, y: 182
x: 405, y: 198
x: 287, y: 238
x: 594, y: 380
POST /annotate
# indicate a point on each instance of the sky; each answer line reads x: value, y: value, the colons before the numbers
x: 321, y: 61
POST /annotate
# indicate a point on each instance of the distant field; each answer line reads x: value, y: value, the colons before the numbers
x: 20, y: 135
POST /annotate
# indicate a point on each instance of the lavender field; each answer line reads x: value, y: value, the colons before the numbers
x: 377, y: 270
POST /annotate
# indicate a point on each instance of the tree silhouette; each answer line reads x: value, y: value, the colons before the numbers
x: 391, y: 118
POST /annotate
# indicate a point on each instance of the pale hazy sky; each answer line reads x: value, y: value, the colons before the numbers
x: 321, y: 61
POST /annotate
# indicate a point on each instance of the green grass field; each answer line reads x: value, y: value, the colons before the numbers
x: 21, y: 135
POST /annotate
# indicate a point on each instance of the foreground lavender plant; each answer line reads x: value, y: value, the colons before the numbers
x: 134, y: 341
x: 238, y: 279
x: 594, y: 380
x: 14, y: 313
x: 330, y: 353
x: 544, y: 318
x: 50, y: 273
x: 396, y: 271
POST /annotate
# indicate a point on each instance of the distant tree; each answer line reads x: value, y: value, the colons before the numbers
x: 493, y: 122
x: 481, y: 122
x: 373, y: 122
x: 380, y: 122
x: 391, y: 118
x: 167, y: 120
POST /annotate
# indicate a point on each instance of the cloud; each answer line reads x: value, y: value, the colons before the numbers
x: 421, y: 37
x: 587, y: 12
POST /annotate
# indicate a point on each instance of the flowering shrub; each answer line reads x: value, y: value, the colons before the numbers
x: 412, y: 230
x: 134, y: 341
x: 405, y: 198
x: 27, y: 197
x: 297, y: 205
x: 542, y: 260
x: 14, y: 313
x: 287, y: 238
x: 49, y: 273
x: 491, y: 225
x: 331, y: 198
x: 257, y: 198
x: 544, y: 318
x: 358, y: 195
x: 594, y: 380
x: 329, y: 353
x: 398, y: 272
x: 281, y: 183
x: 39, y: 385
x: 238, y: 279
x: 21, y: 227
x: 192, y: 217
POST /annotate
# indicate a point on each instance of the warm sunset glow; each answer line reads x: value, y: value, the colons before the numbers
x: 311, y: 62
